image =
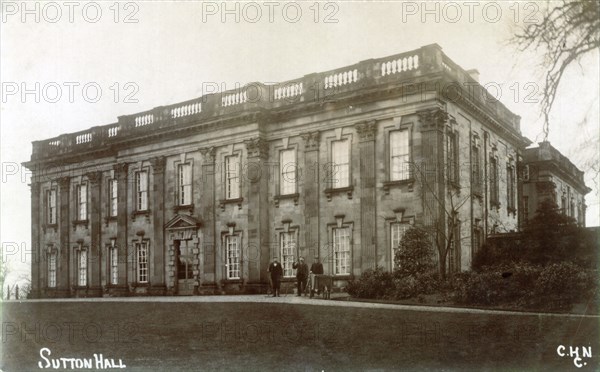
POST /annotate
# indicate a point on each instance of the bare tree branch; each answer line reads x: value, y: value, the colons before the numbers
x: 566, y: 32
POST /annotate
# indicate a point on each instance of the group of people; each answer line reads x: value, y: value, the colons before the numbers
x: 302, y: 274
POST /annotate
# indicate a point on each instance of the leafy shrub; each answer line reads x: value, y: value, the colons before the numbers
x: 415, y: 254
x: 556, y: 286
x: 408, y: 286
x: 494, y: 285
x: 371, y: 284
x: 561, y: 285
x: 404, y: 287
x: 382, y: 284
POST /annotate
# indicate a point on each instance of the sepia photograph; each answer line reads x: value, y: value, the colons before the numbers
x: 300, y: 185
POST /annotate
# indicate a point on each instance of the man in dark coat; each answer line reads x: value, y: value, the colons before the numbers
x: 315, y: 269
x: 276, y: 272
x: 301, y: 275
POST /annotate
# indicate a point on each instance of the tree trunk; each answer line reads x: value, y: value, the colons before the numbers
x: 442, y: 265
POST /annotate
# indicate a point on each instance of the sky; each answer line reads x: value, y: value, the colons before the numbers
x: 68, y: 66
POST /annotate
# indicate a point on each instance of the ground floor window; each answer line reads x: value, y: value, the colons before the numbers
x: 454, y: 251
x: 288, y: 250
x: 141, y: 255
x: 476, y: 241
x: 397, y: 231
x: 232, y: 245
x: 114, y: 265
x: 341, y: 250
x: 52, y: 269
x: 81, y: 257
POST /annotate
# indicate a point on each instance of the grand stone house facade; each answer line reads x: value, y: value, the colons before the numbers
x: 199, y: 196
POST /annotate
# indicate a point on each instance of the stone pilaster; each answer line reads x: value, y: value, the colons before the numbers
x: 311, y: 194
x: 429, y: 168
x: 63, y: 284
x: 208, y: 245
x: 368, y: 211
x: 36, y: 249
x: 258, y: 210
x: 157, y: 271
x: 123, y: 181
x: 95, y: 258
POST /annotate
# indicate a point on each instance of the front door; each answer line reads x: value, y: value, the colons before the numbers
x: 184, y: 260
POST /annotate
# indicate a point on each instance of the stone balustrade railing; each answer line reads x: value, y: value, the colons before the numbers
x: 313, y: 87
x: 83, y: 138
x: 186, y: 109
x: 288, y: 90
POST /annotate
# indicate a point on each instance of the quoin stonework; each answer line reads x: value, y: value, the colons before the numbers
x: 199, y: 196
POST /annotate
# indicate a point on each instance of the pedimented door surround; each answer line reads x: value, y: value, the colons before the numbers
x: 183, y: 228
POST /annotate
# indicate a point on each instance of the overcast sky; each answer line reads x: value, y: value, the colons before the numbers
x: 170, y: 51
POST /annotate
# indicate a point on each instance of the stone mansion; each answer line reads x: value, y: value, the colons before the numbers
x: 199, y: 196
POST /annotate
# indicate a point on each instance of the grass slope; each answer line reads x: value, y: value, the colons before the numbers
x: 185, y: 336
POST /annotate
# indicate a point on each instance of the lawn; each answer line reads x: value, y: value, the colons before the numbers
x: 182, y: 336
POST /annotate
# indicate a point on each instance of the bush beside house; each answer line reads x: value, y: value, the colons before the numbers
x: 547, y: 267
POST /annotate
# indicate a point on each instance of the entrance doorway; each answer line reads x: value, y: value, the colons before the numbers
x: 184, y: 260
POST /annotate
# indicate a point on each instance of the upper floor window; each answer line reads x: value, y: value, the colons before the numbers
x: 184, y: 177
x: 340, y: 158
x: 399, y: 155
x: 233, y: 252
x: 287, y: 241
x: 232, y: 177
x: 510, y: 188
x: 452, y: 156
x: 141, y: 261
x: 476, y: 169
x: 287, y: 174
x: 341, y: 250
x: 494, y: 190
x: 525, y: 208
x: 51, y: 206
x: 112, y: 197
x: 82, y: 202
x: 141, y: 190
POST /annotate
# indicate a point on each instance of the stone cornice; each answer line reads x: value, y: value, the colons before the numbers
x: 209, y: 113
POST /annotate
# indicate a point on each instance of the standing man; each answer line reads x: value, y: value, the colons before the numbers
x: 301, y: 275
x: 315, y: 269
x: 276, y: 273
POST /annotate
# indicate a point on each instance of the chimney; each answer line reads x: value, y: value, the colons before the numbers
x: 474, y: 73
